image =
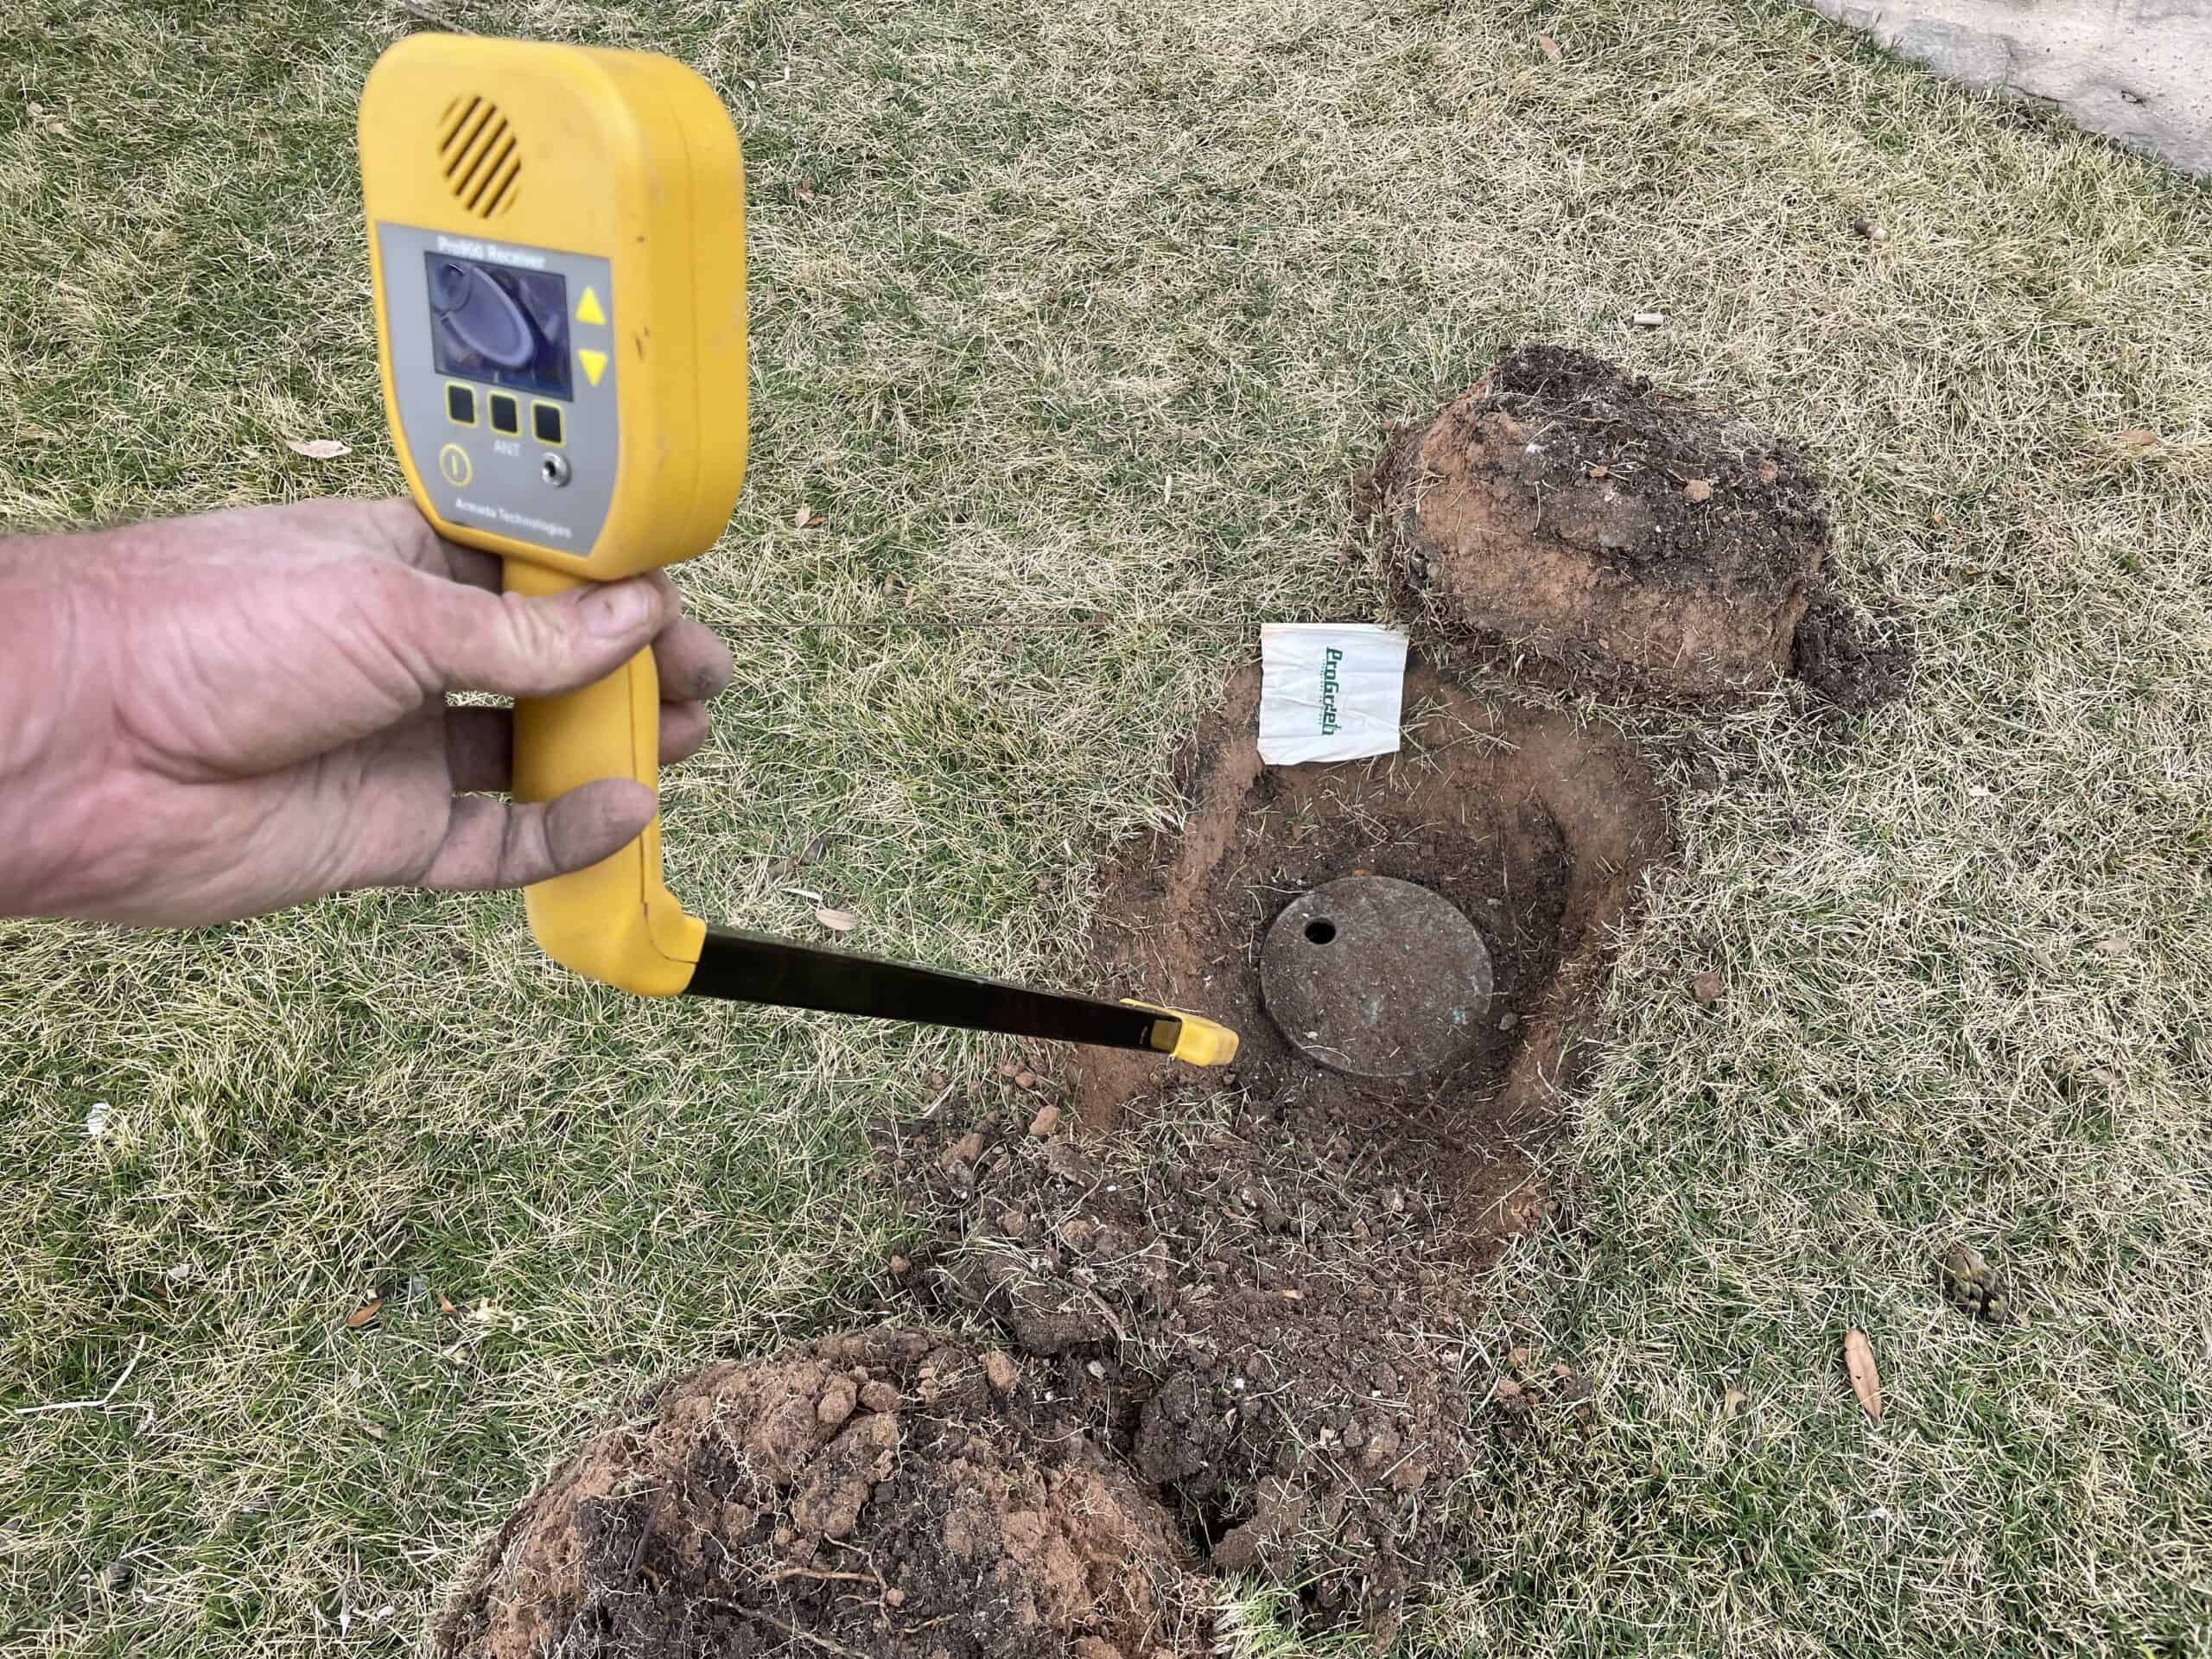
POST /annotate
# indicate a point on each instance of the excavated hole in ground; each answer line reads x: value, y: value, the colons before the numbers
x: 1536, y: 831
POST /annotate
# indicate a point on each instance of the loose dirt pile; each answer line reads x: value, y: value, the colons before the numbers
x: 1269, y: 1319
x: 1563, y: 512
x: 891, y: 1493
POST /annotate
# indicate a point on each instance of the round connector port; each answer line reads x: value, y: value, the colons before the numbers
x: 554, y: 469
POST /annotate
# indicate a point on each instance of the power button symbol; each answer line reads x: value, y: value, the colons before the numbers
x: 452, y: 462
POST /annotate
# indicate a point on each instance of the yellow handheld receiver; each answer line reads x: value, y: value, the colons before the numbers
x: 557, y: 237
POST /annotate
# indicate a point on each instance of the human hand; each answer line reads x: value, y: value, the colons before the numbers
x: 210, y: 717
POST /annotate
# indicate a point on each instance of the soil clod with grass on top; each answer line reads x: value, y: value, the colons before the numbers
x: 1976, y: 1289
x: 1584, y: 520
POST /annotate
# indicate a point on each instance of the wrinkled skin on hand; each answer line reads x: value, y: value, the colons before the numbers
x: 215, y: 716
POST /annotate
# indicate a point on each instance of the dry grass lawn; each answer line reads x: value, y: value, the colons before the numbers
x: 1064, y: 310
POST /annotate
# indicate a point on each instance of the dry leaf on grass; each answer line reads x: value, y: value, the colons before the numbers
x: 838, y: 921
x: 2138, y: 437
x: 802, y: 518
x: 1549, y: 47
x: 318, y: 448
x: 1865, y: 1381
x: 1731, y: 1402
x: 366, y: 1312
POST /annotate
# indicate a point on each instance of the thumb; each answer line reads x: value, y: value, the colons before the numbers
x: 514, y: 645
x: 490, y: 843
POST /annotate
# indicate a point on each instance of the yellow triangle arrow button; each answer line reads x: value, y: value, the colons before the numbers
x: 588, y: 308
x: 595, y: 362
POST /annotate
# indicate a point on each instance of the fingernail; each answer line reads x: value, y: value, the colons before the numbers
x: 619, y: 608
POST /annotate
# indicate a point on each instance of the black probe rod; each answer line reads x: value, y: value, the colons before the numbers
x: 753, y: 968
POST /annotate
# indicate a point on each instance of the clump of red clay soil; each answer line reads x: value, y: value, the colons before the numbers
x: 1569, y: 516
x: 1263, y: 1287
x: 894, y: 1493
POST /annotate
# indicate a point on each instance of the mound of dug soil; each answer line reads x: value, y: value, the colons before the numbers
x: 1564, y: 512
x: 891, y: 1493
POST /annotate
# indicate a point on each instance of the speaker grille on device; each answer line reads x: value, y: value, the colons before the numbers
x: 478, y: 150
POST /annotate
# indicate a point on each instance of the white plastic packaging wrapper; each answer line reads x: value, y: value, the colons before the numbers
x: 1329, y: 690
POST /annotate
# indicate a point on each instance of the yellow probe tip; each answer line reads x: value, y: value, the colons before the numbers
x: 1199, y: 1040
x: 1203, y: 1042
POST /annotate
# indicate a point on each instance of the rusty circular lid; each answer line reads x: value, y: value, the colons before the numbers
x: 1376, y: 977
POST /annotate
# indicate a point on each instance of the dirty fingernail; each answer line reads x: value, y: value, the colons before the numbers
x: 619, y: 608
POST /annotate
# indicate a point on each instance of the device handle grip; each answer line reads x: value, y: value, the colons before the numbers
x: 614, y: 921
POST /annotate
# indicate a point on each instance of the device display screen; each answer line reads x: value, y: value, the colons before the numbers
x: 504, y: 327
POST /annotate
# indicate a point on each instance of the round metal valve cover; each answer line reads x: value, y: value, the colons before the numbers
x: 1376, y: 977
